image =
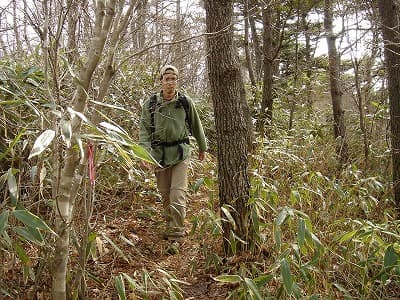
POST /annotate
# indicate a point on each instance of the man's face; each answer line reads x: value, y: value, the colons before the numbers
x: 169, y: 81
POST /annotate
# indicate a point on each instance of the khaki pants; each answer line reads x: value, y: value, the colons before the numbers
x: 172, y: 184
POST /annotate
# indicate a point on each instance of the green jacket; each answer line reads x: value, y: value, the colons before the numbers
x: 170, y: 125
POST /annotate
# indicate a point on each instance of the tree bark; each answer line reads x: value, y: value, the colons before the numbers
x: 360, y: 105
x: 389, y: 11
x: 72, y: 45
x: 103, y: 21
x: 339, y: 128
x: 228, y: 95
x: 256, y: 41
x: 177, y: 48
x: 308, y: 55
x: 249, y: 61
x: 265, y: 117
x: 140, y: 28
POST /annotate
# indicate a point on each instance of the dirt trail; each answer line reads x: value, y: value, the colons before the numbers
x: 137, y: 233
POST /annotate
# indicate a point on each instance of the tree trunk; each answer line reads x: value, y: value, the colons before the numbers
x: 247, y: 48
x: 228, y: 95
x: 140, y: 28
x: 256, y: 42
x: 177, y: 48
x: 72, y: 45
x: 103, y: 21
x: 294, y: 97
x: 265, y: 117
x: 308, y: 66
x: 339, y: 128
x: 360, y: 105
x: 389, y: 11
x: 17, y: 36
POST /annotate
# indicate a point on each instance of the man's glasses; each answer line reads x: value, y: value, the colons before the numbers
x: 170, y: 80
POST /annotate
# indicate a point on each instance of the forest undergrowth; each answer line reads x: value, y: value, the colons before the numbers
x: 320, y: 231
x: 320, y: 234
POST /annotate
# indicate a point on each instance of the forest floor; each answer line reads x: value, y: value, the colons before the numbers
x: 140, y: 252
x: 129, y: 240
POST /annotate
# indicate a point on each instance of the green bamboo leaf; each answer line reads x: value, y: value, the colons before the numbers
x: 95, y: 278
x: 141, y: 153
x: 31, y: 234
x: 8, y: 91
x: 32, y: 81
x: 119, y: 283
x: 11, y: 102
x: 301, y: 233
x: 294, y: 197
x: 31, y: 220
x: 81, y: 116
x: 343, y: 290
x: 110, y: 106
x: 12, y: 183
x: 229, y: 216
x: 278, y: 236
x: 228, y: 278
x: 42, y: 142
x: 317, y: 242
x: 131, y: 281
x: 32, y: 106
x: 262, y: 280
x: 391, y: 257
x: 126, y: 240
x: 113, y: 127
x: 13, y: 200
x: 253, y: 288
x: 196, y: 186
x: 286, y: 276
x: 119, y: 251
x: 13, y: 143
x: 21, y: 253
x: 92, y: 236
x: 282, y: 216
x: 3, y: 221
x: 347, y: 236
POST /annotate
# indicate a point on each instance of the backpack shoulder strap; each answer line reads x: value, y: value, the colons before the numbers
x: 152, y: 109
x: 185, y: 104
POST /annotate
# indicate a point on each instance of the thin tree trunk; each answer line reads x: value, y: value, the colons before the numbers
x: 228, y: 95
x: 256, y: 42
x: 339, y: 128
x: 72, y: 45
x: 18, y: 44
x: 104, y: 16
x: 389, y: 11
x: 361, y: 113
x: 177, y: 49
x: 247, y: 48
x: 265, y: 118
x: 138, y: 28
x: 294, y: 98
x: 308, y: 56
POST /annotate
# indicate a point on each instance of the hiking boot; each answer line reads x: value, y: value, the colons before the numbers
x: 171, y: 236
x: 173, y: 248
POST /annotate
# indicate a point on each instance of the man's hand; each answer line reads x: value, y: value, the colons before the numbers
x: 202, y: 155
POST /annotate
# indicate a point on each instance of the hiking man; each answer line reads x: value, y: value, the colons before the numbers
x: 168, y: 117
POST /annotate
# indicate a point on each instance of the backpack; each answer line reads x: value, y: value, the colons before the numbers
x: 182, y: 102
